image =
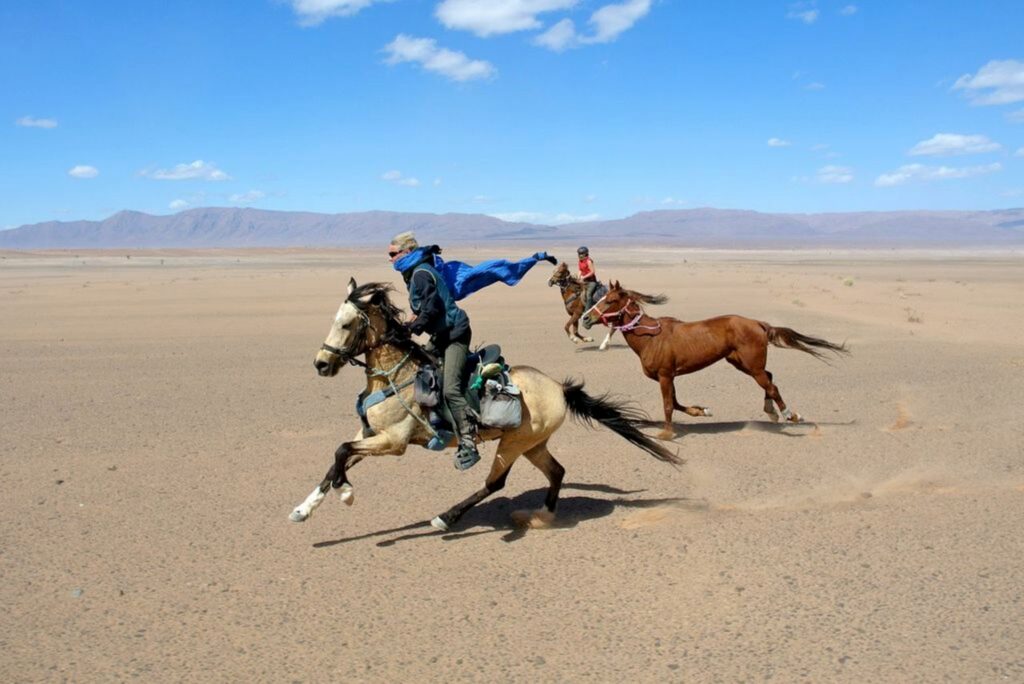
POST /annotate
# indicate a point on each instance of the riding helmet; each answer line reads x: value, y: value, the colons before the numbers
x: 583, y: 251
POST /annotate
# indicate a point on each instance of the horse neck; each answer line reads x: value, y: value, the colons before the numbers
x: 382, y: 359
x: 638, y: 343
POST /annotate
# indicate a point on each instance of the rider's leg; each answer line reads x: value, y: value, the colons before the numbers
x: 454, y: 362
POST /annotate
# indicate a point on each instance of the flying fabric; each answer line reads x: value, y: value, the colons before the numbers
x: 465, y: 279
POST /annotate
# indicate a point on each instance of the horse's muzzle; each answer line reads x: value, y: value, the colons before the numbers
x: 325, y: 369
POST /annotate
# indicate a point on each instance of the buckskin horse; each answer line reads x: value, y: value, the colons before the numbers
x: 572, y: 297
x: 368, y: 324
x: 668, y: 348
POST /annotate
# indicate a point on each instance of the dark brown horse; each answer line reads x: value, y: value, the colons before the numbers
x: 572, y: 297
x: 668, y: 347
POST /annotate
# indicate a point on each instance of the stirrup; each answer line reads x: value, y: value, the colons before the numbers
x: 466, y: 456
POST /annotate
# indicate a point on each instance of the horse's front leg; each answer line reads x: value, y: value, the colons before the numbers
x: 346, y: 456
x: 572, y: 329
x: 668, y: 402
x: 607, y: 339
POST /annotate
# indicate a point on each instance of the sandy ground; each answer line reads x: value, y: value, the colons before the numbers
x: 161, y: 417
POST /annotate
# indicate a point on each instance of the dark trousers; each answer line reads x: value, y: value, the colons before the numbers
x: 454, y: 363
x: 588, y: 288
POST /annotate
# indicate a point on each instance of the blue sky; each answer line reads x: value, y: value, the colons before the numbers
x: 542, y: 110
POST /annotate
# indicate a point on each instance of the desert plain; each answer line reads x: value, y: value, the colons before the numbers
x: 160, y: 417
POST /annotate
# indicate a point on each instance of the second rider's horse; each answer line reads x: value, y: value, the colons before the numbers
x: 668, y: 347
x: 367, y: 325
x: 572, y: 297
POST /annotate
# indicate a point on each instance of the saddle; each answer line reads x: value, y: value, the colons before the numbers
x: 488, y: 389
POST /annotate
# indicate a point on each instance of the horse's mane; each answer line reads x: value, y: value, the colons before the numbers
x: 647, y: 299
x: 378, y: 294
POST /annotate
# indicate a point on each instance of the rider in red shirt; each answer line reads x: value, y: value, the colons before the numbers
x: 587, y: 276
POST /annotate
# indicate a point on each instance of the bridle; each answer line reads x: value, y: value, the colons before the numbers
x: 349, y: 353
x: 607, y: 318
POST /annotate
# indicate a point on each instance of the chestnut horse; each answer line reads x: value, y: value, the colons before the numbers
x: 368, y: 325
x: 668, y: 347
x: 572, y: 297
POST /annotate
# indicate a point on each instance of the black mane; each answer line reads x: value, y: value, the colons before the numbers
x: 378, y: 294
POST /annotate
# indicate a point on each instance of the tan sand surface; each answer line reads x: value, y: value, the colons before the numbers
x: 161, y: 418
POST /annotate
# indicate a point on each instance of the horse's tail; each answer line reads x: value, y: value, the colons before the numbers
x: 617, y: 416
x: 791, y: 339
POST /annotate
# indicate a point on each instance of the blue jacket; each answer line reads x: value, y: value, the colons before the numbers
x: 431, y: 300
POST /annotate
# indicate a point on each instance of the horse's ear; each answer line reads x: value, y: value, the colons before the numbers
x: 351, y: 286
x: 615, y: 285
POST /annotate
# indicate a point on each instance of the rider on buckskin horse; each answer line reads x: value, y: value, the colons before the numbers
x: 587, y: 276
x: 437, y: 313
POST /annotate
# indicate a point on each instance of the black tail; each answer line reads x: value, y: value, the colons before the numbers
x: 791, y: 339
x: 617, y: 416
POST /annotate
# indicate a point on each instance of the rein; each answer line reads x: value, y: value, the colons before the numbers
x: 606, y: 318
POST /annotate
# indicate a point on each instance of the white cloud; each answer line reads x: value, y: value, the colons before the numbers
x: 197, y: 170
x: 611, y: 21
x: 572, y: 218
x: 848, y: 10
x: 835, y: 174
x: 998, y: 82
x: 806, y: 12
x: 545, y: 219
x: 437, y: 182
x: 397, y: 178
x: 1019, y: 153
x: 247, y: 197
x: 778, y: 142
x: 673, y: 202
x: 83, y: 171
x: 590, y: 199
x: 424, y: 51
x: 559, y: 37
x: 178, y: 204
x: 490, y: 17
x: 32, y: 122
x: 313, y: 12
x: 949, y: 144
x: 814, y: 86
x: 606, y: 24
x: 1016, y: 117
x: 920, y: 172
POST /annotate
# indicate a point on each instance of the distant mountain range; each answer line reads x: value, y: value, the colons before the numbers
x: 725, y: 228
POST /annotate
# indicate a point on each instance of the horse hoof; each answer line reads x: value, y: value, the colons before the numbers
x: 588, y: 339
x: 439, y: 524
x: 298, y: 516
x: 346, y: 494
x: 667, y: 435
x: 533, y: 519
x: 796, y: 418
x: 774, y: 417
x: 706, y: 412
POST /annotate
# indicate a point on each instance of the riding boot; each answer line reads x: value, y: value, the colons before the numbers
x: 467, y: 455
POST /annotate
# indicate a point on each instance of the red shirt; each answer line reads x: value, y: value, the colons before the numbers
x: 587, y: 269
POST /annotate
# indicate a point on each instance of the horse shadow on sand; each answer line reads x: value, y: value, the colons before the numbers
x: 791, y: 430
x: 495, y: 516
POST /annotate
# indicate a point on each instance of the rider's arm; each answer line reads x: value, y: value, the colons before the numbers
x: 425, y: 301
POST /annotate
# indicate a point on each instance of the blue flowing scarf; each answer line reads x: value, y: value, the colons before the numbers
x: 465, y: 279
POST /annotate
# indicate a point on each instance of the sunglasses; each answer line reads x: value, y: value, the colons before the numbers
x: 393, y: 254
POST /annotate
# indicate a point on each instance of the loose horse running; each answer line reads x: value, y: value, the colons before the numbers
x: 572, y: 298
x: 367, y: 323
x: 668, y: 347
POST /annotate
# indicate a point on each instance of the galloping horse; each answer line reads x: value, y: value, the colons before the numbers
x: 368, y: 324
x: 668, y: 347
x: 572, y: 297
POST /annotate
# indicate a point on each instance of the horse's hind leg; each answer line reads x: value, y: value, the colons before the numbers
x: 698, y: 411
x: 763, y: 378
x: 553, y: 470
x: 495, y: 481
